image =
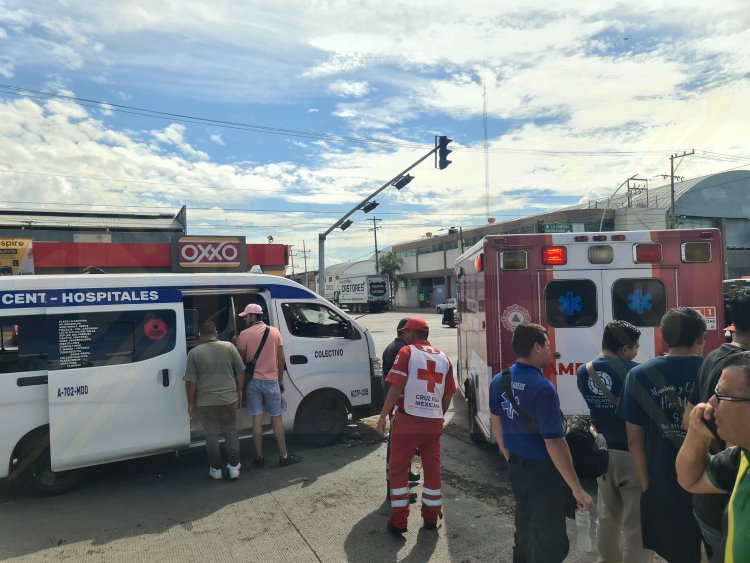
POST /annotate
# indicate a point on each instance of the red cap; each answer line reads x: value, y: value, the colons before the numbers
x: 415, y: 323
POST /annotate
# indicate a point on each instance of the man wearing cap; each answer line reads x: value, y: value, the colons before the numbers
x: 389, y: 356
x: 422, y: 385
x: 265, y: 388
x: 214, y: 375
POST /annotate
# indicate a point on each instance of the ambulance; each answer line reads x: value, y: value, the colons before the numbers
x: 573, y: 284
x: 91, y: 366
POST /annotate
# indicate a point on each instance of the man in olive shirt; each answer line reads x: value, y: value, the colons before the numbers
x: 214, y: 377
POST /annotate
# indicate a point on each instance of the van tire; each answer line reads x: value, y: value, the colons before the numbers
x: 322, y: 419
x: 474, y: 432
x: 35, y: 471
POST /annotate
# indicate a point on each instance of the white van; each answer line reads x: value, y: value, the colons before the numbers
x: 91, y: 366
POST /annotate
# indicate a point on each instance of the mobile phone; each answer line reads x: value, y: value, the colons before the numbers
x: 711, y: 425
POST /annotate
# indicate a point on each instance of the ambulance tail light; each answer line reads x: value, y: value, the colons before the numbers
x: 645, y: 253
x: 479, y: 263
x: 601, y: 254
x: 554, y: 255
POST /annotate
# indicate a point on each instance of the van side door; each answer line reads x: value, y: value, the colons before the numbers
x: 324, y: 350
x: 115, y: 380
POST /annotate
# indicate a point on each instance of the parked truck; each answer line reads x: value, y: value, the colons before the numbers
x: 573, y: 284
x: 361, y: 294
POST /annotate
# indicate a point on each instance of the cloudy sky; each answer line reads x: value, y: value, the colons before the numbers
x: 277, y: 118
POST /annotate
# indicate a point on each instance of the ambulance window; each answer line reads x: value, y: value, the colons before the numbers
x: 570, y: 303
x: 641, y: 302
x: 313, y: 320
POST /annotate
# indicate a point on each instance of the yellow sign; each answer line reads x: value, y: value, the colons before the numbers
x: 16, y: 256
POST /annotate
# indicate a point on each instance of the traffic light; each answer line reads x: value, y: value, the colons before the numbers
x: 402, y: 181
x: 443, y: 152
x: 346, y: 224
x: 369, y: 206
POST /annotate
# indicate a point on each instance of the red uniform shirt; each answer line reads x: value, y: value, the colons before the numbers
x: 400, y: 370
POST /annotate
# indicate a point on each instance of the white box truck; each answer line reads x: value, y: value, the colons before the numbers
x: 361, y: 294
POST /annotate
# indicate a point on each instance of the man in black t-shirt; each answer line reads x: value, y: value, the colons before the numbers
x: 709, y: 509
x: 619, y: 490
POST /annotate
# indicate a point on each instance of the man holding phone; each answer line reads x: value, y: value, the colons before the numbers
x: 709, y: 508
x: 725, y: 472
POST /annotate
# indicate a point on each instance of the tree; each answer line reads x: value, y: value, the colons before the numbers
x: 389, y: 265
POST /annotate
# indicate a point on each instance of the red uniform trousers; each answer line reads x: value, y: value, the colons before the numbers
x: 409, y: 433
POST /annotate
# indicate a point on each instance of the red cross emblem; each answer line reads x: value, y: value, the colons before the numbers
x: 430, y: 375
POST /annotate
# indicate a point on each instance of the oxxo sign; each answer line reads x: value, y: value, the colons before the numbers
x: 190, y: 253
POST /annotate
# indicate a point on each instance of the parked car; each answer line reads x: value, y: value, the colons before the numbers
x: 450, y: 304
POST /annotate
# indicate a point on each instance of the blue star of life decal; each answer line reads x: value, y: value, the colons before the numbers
x: 640, y: 302
x: 507, y: 406
x: 570, y: 304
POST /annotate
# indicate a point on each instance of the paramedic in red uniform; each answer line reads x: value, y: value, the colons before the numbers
x: 422, y: 385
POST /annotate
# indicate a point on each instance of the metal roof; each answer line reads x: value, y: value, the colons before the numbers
x: 35, y: 219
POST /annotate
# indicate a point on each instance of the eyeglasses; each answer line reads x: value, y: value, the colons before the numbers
x: 729, y: 398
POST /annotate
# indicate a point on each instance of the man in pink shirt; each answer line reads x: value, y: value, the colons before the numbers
x: 266, y: 386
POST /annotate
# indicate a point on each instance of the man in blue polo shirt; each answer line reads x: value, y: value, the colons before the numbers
x: 530, y: 434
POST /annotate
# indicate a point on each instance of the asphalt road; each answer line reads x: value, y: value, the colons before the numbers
x: 330, y: 507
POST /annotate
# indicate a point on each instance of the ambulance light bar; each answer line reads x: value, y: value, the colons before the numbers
x: 618, y: 237
x: 648, y: 252
x: 554, y: 255
x: 601, y: 254
x: 581, y: 238
x: 699, y: 251
x: 600, y: 238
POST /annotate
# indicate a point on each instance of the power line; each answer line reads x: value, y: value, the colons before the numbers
x: 197, y: 120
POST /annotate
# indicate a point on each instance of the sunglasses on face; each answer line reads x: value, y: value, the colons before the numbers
x: 729, y: 398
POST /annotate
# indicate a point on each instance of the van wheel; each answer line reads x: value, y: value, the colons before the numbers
x: 35, y: 468
x: 322, y: 419
x: 474, y: 432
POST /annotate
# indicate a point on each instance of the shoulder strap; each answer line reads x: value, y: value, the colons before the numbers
x: 262, y: 343
x: 530, y: 422
x: 600, y: 384
x: 648, y: 405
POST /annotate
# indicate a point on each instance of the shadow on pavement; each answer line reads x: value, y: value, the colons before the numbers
x: 149, y: 496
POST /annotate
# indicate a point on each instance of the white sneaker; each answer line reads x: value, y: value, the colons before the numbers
x: 215, y: 473
x: 234, y: 470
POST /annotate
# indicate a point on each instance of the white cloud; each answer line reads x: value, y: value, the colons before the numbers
x: 216, y: 138
x: 349, y: 89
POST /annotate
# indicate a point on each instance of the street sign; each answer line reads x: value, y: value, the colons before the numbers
x: 558, y: 228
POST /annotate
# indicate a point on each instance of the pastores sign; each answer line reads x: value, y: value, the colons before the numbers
x: 192, y: 252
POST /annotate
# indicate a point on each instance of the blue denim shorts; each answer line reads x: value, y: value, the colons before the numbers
x: 263, y: 395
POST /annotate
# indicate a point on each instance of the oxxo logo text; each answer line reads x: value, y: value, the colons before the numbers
x: 208, y: 252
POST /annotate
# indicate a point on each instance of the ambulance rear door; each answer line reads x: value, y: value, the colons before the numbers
x: 571, y: 303
x: 115, y: 377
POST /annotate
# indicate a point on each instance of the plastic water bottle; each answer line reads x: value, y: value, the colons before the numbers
x: 583, y: 527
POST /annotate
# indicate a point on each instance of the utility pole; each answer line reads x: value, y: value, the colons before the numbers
x: 671, y: 176
x: 291, y: 255
x: 375, y: 230
x: 304, y: 255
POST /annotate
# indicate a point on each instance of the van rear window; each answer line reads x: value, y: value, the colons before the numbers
x: 570, y: 303
x: 65, y: 341
x: 639, y: 301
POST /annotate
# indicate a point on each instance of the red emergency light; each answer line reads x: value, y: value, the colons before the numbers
x: 479, y: 263
x: 582, y: 238
x: 647, y: 252
x: 555, y: 255
x: 600, y: 238
x: 618, y: 237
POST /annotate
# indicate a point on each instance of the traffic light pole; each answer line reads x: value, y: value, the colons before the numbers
x: 322, y: 236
